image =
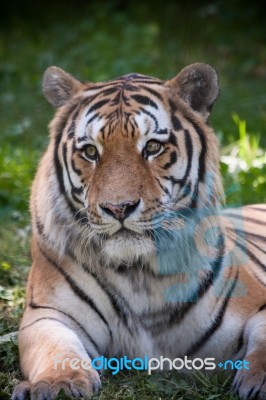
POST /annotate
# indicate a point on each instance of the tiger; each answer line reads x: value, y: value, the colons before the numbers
x: 134, y: 251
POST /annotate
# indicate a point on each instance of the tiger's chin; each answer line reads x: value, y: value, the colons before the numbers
x: 127, y: 248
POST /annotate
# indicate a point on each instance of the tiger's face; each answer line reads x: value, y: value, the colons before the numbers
x: 132, y: 150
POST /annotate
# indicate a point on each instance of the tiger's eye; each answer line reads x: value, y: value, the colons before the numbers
x: 91, y: 152
x: 153, y: 147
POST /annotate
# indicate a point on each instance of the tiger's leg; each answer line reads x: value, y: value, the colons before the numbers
x: 47, y: 347
x: 251, y: 383
x: 61, y: 322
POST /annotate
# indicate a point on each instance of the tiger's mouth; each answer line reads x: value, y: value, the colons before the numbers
x: 126, y: 246
x: 127, y: 233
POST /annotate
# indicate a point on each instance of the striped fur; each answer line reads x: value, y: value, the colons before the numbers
x: 132, y: 253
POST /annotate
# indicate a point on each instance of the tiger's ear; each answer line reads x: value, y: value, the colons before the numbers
x: 197, y: 85
x: 59, y: 86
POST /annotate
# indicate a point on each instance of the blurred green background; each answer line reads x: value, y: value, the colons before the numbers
x: 101, y: 40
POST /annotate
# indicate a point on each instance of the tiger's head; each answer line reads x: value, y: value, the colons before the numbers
x: 129, y: 151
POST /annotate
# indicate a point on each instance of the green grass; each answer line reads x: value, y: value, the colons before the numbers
x: 160, y: 386
x: 243, y: 165
x: 100, y: 42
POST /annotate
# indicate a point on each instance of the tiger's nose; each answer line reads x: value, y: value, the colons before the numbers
x: 120, y: 211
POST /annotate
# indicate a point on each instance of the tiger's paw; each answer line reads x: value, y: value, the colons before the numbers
x: 251, y: 384
x: 48, y: 388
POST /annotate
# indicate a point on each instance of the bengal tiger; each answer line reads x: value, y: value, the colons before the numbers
x: 132, y: 252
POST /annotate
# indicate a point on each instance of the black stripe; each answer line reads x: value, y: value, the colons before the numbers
x: 162, y: 131
x: 152, y: 117
x: 87, y: 101
x: 59, y: 173
x: 129, y: 123
x: 175, y: 121
x: 262, y: 308
x: 118, y: 302
x: 87, y: 123
x: 77, y: 290
x: 255, y: 245
x: 148, y: 81
x: 73, y: 165
x: 58, y: 167
x: 82, y: 139
x: 242, y: 217
x: 108, y: 91
x: 38, y: 223
x: 257, y: 208
x: 153, y: 92
x: 240, y: 342
x: 63, y: 121
x: 71, y: 130
x: 164, y: 189
x: 131, y: 88
x: 233, y: 240
x: 39, y: 226
x: 172, y: 179
x: 100, y: 86
x: 185, y: 193
x: 245, y: 233
x: 97, y: 105
x: 226, y: 283
x: 172, y: 139
x: 258, y: 279
x: 74, y: 190
x: 252, y: 393
x: 173, y: 159
x: 43, y: 318
x: 125, y: 99
x: 116, y: 100
x: 202, y: 166
x: 194, y: 199
x: 216, y: 324
x: 189, y: 150
x: 36, y: 306
x: 250, y: 254
x: 145, y: 100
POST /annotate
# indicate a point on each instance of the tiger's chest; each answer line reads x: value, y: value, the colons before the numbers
x: 157, y: 324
